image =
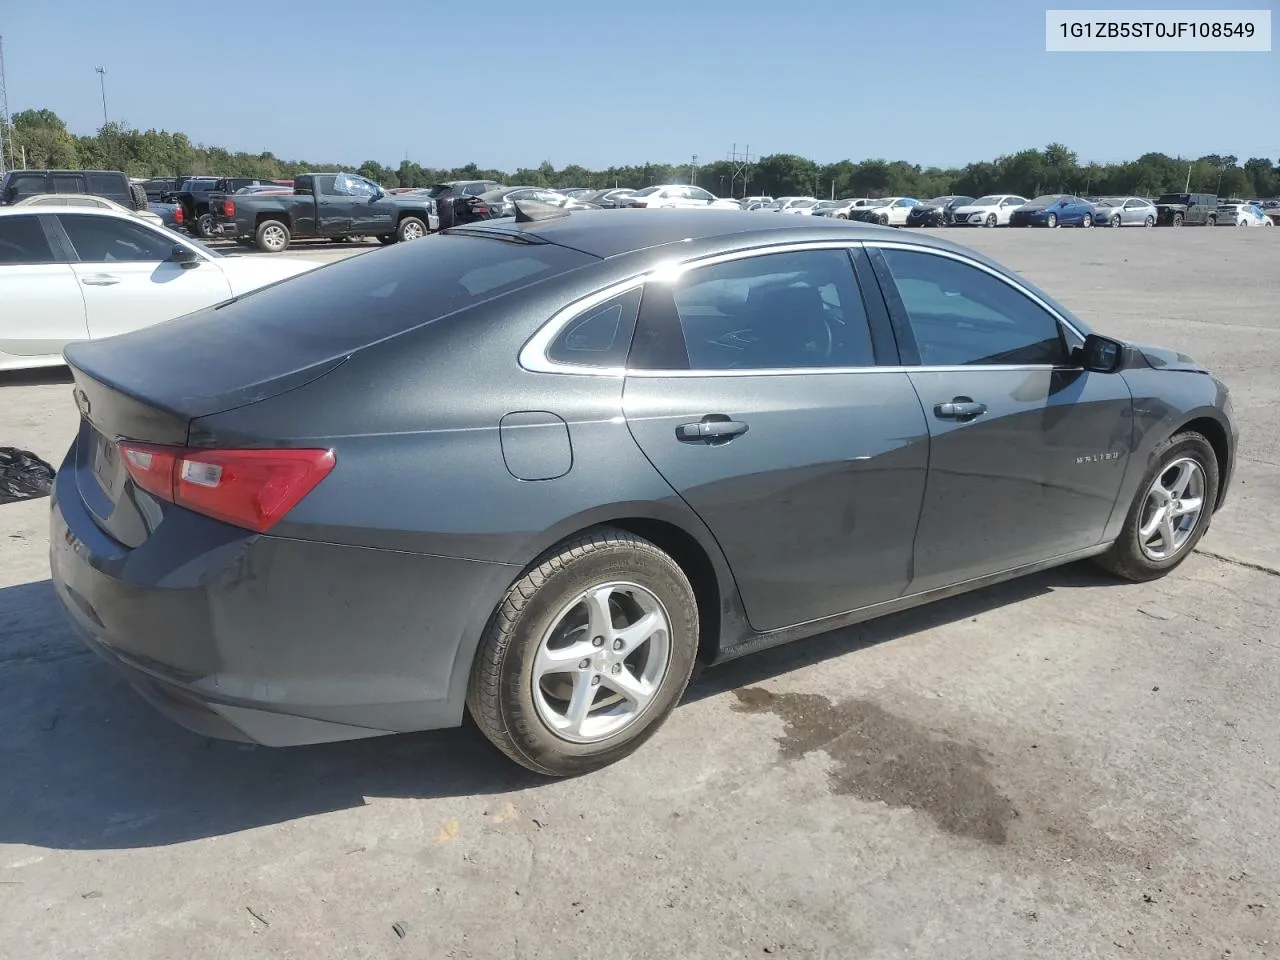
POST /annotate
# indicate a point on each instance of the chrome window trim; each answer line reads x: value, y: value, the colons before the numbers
x: 533, y: 355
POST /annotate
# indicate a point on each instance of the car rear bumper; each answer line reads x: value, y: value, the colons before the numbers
x: 271, y: 640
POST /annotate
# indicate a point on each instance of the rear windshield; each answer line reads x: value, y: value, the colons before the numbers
x: 355, y: 302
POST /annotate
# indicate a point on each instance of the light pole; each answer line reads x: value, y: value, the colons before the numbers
x: 102, y: 82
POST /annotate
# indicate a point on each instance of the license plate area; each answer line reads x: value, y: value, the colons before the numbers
x: 104, y: 462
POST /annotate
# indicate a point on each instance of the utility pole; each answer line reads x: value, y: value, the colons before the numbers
x: 1187, y: 188
x: 741, y: 168
x: 6, y: 128
x: 102, y: 82
x: 693, y: 170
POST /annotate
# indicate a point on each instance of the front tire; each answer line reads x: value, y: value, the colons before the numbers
x: 1117, y: 222
x: 586, y: 655
x: 386, y: 238
x: 272, y: 236
x: 991, y: 220
x: 1170, y: 512
x: 411, y: 228
x: 1051, y: 221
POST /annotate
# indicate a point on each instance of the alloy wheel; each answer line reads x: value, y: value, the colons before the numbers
x: 602, y: 661
x: 1115, y: 221
x: 1053, y: 220
x: 413, y: 232
x: 1172, y: 509
x: 273, y: 238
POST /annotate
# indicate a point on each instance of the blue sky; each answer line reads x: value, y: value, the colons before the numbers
x: 507, y: 84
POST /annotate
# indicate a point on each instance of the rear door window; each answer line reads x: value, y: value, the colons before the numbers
x: 23, y: 241
x: 772, y: 311
x: 114, y: 240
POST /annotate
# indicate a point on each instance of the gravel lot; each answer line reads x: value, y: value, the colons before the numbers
x: 1056, y: 767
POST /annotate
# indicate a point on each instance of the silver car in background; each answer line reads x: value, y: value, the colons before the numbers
x: 1125, y: 212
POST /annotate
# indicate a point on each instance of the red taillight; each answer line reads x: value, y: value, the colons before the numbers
x: 177, y: 214
x: 229, y: 208
x: 248, y: 488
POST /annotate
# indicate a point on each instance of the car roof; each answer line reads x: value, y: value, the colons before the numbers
x: 33, y: 211
x: 607, y: 233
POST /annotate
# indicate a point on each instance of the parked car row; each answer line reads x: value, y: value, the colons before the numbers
x: 1049, y: 210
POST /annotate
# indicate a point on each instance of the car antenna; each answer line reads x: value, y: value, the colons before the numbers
x: 529, y: 211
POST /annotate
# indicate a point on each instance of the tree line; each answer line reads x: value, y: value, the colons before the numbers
x: 42, y: 140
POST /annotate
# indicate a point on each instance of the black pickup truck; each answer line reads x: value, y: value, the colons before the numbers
x: 333, y: 205
x: 198, y: 193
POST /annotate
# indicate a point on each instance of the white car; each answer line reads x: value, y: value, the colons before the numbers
x: 82, y: 274
x: 843, y: 207
x: 1242, y: 215
x: 887, y: 211
x: 669, y: 196
x: 993, y: 210
x: 88, y: 200
x: 784, y: 204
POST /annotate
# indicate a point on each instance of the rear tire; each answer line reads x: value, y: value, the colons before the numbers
x: 339, y: 239
x: 1086, y: 221
x: 386, y: 238
x: 272, y: 236
x: 1133, y: 556
x: 1212, y: 221
x: 411, y: 228
x: 1177, y: 219
x: 1150, y: 221
x: 518, y: 682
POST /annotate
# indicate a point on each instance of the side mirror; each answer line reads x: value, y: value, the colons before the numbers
x: 1101, y: 354
x: 183, y: 255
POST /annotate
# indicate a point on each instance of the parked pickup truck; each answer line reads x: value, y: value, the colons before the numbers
x: 198, y: 193
x: 334, y: 205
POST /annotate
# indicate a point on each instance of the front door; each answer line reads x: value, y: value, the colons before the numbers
x: 752, y: 387
x: 1027, y: 449
x: 374, y: 213
x: 42, y: 310
x: 127, y: 279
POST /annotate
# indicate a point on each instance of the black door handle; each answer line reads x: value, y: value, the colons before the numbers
x: 959, y: 408
x: 715, y: 428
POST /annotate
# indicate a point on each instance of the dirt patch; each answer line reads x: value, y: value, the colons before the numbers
x: 880, y: 757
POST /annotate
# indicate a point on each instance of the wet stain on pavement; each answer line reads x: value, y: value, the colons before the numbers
x: 878, y: 756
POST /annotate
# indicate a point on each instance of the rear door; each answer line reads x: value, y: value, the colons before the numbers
x: 335, y: 207
x: 756, y: 387
x: 42, y: 309
x: 1028, y: 450
x: 126, y: 278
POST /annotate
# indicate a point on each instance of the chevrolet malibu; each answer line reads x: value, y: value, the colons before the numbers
x: 538, y: 469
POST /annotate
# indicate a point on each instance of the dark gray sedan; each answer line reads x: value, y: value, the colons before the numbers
x: 538, y: 468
